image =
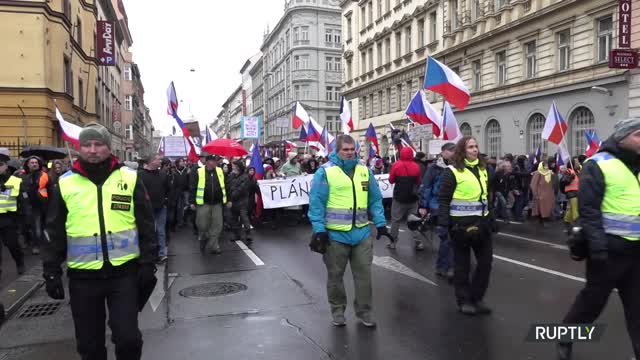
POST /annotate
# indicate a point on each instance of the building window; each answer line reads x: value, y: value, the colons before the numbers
x: 80, y: 94
x: 296, y: 92
x: 329, y: 94
x: 296, y: 35
x: 380, y: 111
x: 68, y: 82
x: 387, y: 5
x: 500, y: 3
x: 287, y: 40
x: 399, y: 97
x: 79, y: 31
x: 476, y: 67
x: 534, y: 134
x: 363, y: 56
x: 501, y: 67
x: 387, y: 50
x: 564, y: 50
x: 296, y: 62
x: 304, y: 61
x: 379, y: 8
x: 409, y: 88
x: 363, y: 19
x: 305, y: 34
x: 476, y: 9
x: 388, y: 100
x: 421, y: 33
x: 453, y: 14
x: 364, y: 107
x: 494, y: 139
x: 328, y: 63
x: 530, y: 53
x: 370, y: 12
x: 433, y: 27
x: 370, y: 58
x: 465, y: 129
x: 605, y: 34
x: 408, y: 39
x: 329, y: 123
x: 128, y: 103
x: 349, y: 70
x: 337, y: 64
x: 349, y: 24
x: 581, y: 119
x: 337, y: 37
x: 371, y: 105
x: 379, y: 51
x: 127, y: 72
x: 398, y: 44
x: 328, y: 36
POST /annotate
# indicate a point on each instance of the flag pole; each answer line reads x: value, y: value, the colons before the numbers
x: 69, y: 152
x: 564, y: 140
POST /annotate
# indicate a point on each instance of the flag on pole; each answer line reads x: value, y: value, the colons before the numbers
x: 554, y: 127
x: 300, y: 116
x: 564, y: 154
x: 172, y: 109
x: 345, y: 117
x: 372, y: 152
x: 303, y: 134
x: 559, y: 160
x: 450, y: 124
x: 70, y: 132
x: 593, y: 143
x: 209, y: 135
x: 538, y: 154
x: 421, y: 111
x: 442, y: 80
x: 373, y: 137
x: 290, y: 145
x: 161, y: 147
x: 313, y: 133
x: 256, y: 163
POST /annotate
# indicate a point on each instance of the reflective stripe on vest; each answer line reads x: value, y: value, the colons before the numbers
x: 202, y: 181
x: 470, y: 195
x: 620, y: 206
x: 340, y: 211
x: 84, y: 236
x: 9, y: 197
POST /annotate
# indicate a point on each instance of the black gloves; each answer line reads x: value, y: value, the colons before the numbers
x: 147, y: 273
x: 383, y: 231
x: 319, y: 242
x: 54, y: 287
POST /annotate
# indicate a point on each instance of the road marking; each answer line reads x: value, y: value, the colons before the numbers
x: 555, y: 246
x: 256, y: 260
x: 548, y: 271
x: 392, y: 264
x: 158, y: 292
x: 511, y: 222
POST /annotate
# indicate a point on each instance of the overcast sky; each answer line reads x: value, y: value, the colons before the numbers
x: 213, y: 37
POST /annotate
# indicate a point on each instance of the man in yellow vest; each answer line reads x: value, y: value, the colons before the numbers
x: 608, y: 200
x: 208, y: 196
x: 10, y: 187
x: 343, y: 195
x: 100, y: 221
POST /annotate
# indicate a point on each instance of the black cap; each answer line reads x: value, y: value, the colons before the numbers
x: 448, y: 146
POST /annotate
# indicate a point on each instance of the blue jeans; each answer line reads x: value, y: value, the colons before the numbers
x: 160, y: 218
x: 445, y: 254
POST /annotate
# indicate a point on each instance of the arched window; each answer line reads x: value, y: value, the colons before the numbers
x: 465, y: 129
x: 534, y: 133
x: 581, y: 119
x: 493, y: 138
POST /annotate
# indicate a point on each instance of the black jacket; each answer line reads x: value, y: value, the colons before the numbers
x: 448, y: 185
x: 157, y: 184
x: 212, y: 189
x: 239, y: 187
x: 54, y: 252
x: 181, y: 179
x: 590, y: 196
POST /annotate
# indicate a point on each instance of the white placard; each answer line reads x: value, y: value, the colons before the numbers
x: 292, y: 191
x: 250, y: 127
x: 435, y: 146
x: 175, y: 146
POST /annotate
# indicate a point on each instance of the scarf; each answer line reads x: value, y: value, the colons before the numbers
x: 471, y: 163
x: 544, y: 172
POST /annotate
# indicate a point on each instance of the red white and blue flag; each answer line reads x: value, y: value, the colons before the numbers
x: 442, y: 80
x: 289, y: 146
x: 256, y: 163
x: 554, y: 127
x: 372, y: 152
x: 303, y: 135
x: 161, y: 147
x: 345, y: 116
x: 70, y: 131
x: 421, y: 111
x: 450, y: 125
x: 313, y: 133
x: 373, y: 137
x: 172, y: 109
x: 593, y: 143
x: 300, y: 116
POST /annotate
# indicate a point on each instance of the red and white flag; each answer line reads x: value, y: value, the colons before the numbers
x: 554, y: 127
x: 345, y: 117
x: 300, y: 116
x: 70, y: 132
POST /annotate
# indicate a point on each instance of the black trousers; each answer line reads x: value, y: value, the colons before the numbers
x: 470, y: 290
x: 9, y: 237
x: 88, y: 297
x: 621, y: 272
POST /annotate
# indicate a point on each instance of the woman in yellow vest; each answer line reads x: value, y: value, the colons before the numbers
x: 465, y: 210
x: 609, y: 206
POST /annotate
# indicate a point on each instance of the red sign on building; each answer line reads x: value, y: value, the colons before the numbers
x: 105, y: 42
x: 624, y: 37
x: 623, y: 59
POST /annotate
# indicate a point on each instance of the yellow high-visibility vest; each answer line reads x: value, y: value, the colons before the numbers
x: 470, y: 196
x: 202, y: 181
x: 9, y: 197
x: 348, y: 198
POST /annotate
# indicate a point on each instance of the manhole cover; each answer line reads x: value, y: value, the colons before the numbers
x: 213, y: 289
x: 39, y: 310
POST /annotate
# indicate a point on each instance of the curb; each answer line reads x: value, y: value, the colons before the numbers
x: 14, y: 295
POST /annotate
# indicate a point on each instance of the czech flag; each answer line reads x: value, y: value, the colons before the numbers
x: 70, y: 132
x: 256, y: 163
x: 593, y: 143
x: 450, y: 124
x: 303, y: 135
x: 562, y: 156
x: 161, y: 147
x: 312, y: 132
x: 290, y: 145
x: 300, y: 116
x: 372, y: 152
x: 538, y: 154
x: 172, y: 109
x: 345, y: 117
x: 442, y: 80
x: 373, y: 137
x: 421, y: 111
x: 554, y: 127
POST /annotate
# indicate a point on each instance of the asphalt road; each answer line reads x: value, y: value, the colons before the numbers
x: 283, y: 312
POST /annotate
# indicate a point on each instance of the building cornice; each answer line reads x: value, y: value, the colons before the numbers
x: 291, y: 10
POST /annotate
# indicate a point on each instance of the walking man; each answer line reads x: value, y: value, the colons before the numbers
x: 342, y: 196
x: 101, y: 222
x: 10, y: 187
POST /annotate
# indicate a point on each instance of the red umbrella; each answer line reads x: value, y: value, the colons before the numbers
x: 225, y: 147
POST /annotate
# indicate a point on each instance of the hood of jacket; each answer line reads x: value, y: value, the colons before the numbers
x: 441, y: 163
x: 346, y: 165
x: 406, y: 154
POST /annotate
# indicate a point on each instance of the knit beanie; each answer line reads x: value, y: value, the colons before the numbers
x: 95, y: 131
x: 625, y: 127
